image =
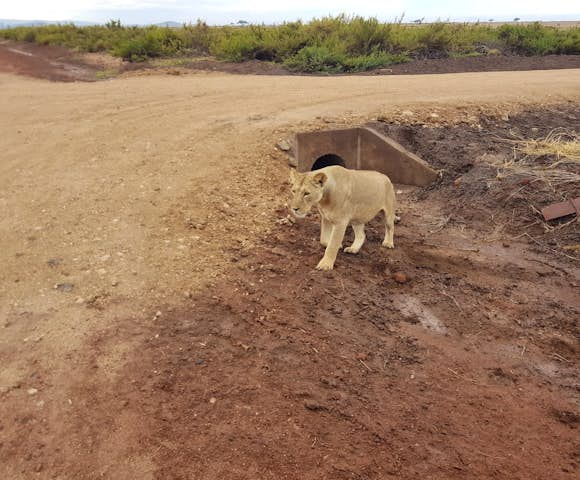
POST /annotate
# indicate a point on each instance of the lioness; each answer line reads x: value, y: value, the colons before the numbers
x: 344, y: 197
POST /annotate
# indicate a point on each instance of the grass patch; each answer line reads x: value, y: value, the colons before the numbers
x: 106, y: 74
x: 560, y: 143
x: 330, y: 44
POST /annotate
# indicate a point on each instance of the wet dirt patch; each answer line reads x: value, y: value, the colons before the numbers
x: 46, y: 62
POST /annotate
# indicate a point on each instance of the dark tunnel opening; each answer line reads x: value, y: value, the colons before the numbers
x: 327, y: 160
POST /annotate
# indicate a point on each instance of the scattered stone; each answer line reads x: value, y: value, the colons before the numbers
x: 187, y: 294
x: 158, y: 314
x: 287, y: 220
x: 314, y: 406
x: 79, y: 300
x: 114, y: 283
x: 505, y: 117
x: 361, y: 356
x: 283, y: 145
x: 434, y: 115
x: 400, y: 277
x: 212, y: 400
x: 64, y: 287
x: 199, y: 361
x: 32, y: 391
x: 407, y: 113
x: 54, y: 262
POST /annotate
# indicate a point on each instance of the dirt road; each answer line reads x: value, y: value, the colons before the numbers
x: 147, y: 331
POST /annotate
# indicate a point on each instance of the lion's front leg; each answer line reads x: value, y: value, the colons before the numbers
x: 327, y: 262
x: 325, y: 231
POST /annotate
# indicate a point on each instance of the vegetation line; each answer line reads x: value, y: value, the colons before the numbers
x: 330, y: 44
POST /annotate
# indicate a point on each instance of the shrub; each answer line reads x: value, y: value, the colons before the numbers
x: 316, y: 59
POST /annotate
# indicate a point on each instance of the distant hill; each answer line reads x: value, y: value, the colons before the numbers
x: 169, y: 24
x: 10, y: 23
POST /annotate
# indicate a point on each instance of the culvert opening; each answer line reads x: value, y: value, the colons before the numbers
x: 327, y: 160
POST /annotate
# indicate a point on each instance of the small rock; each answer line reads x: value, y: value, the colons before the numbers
x: 505, y: 117
x: 434, y: 115
x: 212, y: 400
x: 32, y: 391
x: 54, y: 262
x: 199, y: 361
x: 407, y: 113
x: 400, y: 277
x: 292, y: 162
x: 187, y: 294
x: 283, y: 145
x: 64, y: 287
x: 313, y: 406
x: 114, y: 283
x: 361, y: 356
x: 158, y: 313
x: 80, y: 300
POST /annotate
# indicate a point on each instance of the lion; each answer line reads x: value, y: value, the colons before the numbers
x: 343, y: 197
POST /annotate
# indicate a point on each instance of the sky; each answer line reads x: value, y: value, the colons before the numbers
x: 272, y: 11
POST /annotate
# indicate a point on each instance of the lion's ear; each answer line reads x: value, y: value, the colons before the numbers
x: 320, y: 179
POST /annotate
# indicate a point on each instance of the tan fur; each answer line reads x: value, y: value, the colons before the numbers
x: 343, y: 197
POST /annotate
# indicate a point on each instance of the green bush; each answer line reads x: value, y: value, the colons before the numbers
x: 374, y: 60
x: 538, y: 39
x: 316, y: 59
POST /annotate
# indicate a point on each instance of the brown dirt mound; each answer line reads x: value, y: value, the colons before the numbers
x: 499, y: 63
x: 479, y: 191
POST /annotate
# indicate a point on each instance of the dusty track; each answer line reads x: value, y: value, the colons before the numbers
x: 136, y: 195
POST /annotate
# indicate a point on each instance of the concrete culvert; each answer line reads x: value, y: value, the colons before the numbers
x: 361, y: 148
x: 327, y: 160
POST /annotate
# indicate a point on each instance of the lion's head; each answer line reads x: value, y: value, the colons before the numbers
x: 307, y: 191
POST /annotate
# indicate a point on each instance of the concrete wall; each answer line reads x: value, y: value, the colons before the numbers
x: 364, y: 149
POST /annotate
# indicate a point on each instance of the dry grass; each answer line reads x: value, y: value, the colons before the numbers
x: 561, y: 143
x: 544, y: 159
